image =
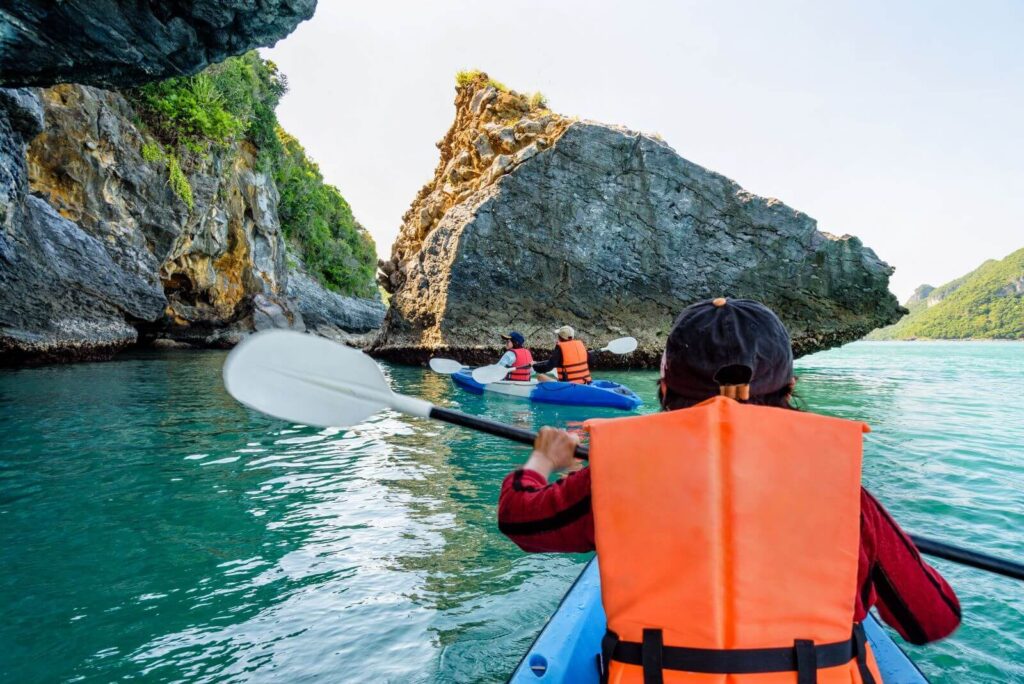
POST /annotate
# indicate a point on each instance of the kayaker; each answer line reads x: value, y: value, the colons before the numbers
x: 570, y: 358
x: 730, y: 521
x: 516, y: 357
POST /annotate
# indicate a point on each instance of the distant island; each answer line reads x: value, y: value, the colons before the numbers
x: 987, y: 303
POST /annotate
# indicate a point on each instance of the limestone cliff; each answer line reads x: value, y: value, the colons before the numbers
x: 115, y: 44
x: 102, y: 253
x: 351, y: 320
x: 533, y: 220
x: 160, y: 218
x: 495, y: 130
x: 62, y: 294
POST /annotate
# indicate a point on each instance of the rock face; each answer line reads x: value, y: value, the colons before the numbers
x: 920, y: 294
x: 61, y: 293
x: 205, y: 266
x: 495, y: 131
x: 610, y: 231
x: 97, y: 252
x: 120, y: 43
x: 329, y: 314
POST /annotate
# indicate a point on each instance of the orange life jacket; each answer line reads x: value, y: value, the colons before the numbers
x: 575, y: 367
x: 726, y: 527
x: 523, y: 358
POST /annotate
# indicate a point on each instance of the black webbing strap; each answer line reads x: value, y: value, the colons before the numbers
x: 738, y: 660
x: 608, y: 643
x: 651, y: 656
x: 806, y: 662
x: 860, y: 640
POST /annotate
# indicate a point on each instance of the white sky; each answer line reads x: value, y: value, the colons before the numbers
x: 899, y: 122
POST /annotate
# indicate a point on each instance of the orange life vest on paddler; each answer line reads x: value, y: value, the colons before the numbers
x: 523, y: 358
x: 727, y: 527
x: 575, y: 367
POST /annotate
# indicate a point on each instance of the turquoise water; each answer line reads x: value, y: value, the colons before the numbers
x: 151, y: 528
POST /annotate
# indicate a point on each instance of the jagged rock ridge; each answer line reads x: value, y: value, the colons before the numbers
x: 613, y: 232
x: 495, y: 130
x: 117, y: 44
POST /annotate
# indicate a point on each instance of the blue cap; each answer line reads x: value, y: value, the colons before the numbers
x: 516, y: 337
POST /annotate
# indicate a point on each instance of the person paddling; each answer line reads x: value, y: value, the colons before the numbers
x: 516, y: 357
x: 732, y: 533
x: 570, y: 357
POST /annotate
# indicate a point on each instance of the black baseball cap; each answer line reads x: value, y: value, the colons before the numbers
x: 516, y: 337
x: 727, y: 342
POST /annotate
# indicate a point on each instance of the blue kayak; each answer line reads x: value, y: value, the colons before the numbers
x: 599, y: 393
x: 566, y: 649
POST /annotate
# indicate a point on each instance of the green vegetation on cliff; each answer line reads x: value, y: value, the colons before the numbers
x: 213, y: 110
x: 193, y: 118
x: 467, y: 77
x: 987, y: 303
x: 316, y: 216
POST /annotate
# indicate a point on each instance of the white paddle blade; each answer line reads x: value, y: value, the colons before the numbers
x: 623, y: 345
x: 305, y: 379
x: 446, y: 366
x: 485, y: 375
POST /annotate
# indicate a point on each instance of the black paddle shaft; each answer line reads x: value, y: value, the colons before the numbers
x: 983, y: 561
x: 493, y: 427
x: 931, y: 547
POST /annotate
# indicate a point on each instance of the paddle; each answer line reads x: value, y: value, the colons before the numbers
x: 488, y: 374
x: 313, y: 381
x: 975, y: 559
x: 445, y: 366
x: 451, y: 366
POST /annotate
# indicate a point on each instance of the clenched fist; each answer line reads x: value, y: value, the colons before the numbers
x: 556, y: 447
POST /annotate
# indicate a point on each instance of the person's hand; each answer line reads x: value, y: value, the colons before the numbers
x: 553, y: 450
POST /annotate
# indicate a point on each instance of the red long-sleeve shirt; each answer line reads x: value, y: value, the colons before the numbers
x: 910, y: 595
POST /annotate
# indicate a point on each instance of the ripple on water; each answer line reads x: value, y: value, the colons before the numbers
x: 161, y: 530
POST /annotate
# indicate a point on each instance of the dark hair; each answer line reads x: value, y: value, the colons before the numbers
x: 780, y: 398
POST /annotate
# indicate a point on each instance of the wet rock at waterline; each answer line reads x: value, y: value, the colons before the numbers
x: 610, y: 231
x: 118, y: 44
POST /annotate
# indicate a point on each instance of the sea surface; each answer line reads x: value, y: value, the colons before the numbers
x: 152, y: 529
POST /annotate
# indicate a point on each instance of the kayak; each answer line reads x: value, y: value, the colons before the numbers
x: 566, y: 649
x: 599, y: 393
